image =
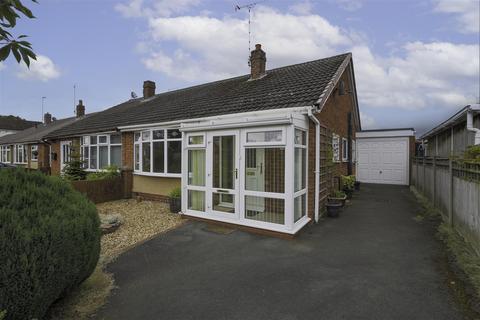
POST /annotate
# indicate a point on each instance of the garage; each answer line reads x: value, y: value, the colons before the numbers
x: 383, y: 156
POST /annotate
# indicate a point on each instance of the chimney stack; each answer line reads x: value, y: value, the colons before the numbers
x: 47, y: 118
x: 148, y: 89
x: 258, y: 61
x: 80, y: 109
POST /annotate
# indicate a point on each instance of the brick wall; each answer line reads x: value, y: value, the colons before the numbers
x: 55, y: 164
x: 127, y: 150
x: 333, y: 116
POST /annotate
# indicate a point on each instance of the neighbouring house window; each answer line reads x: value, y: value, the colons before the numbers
x: 34, y: 152
x: 336, y: 148
x: 100, y: 151
x: 5, y: 154
x: 300, y: 174
x: 158, y: 151
x: 20, y: 153
x: 344, y: 150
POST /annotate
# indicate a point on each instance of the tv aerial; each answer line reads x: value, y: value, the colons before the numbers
x: 249, y: 7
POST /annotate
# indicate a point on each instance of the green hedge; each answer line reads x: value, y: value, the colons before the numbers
x: 49, y: 240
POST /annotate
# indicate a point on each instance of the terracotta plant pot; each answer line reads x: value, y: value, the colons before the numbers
x: 333, y: 209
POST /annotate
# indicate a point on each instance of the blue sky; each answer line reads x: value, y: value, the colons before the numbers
x: 416, y: 62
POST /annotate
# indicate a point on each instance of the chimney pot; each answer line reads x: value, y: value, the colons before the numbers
x: 80, y: 109
x: 148, y: 89
x: 47, y: 118
x: 258, y: 61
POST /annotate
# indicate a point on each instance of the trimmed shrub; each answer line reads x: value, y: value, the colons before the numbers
x: 49, y: 240
x: 109, y: 172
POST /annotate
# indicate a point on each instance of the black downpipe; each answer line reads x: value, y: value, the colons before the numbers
x: 349, y: 138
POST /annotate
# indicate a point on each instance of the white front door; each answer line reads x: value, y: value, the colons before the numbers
x: 383, y: 160
x: 223, y: 173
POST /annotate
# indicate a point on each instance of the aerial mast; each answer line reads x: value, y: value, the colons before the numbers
x: 249, y: 6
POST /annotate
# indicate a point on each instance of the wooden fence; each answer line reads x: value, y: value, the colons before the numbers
x: 104, y: 190
x: 453, y: 187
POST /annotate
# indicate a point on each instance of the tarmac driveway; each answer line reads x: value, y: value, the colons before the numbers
x: 374, y: 262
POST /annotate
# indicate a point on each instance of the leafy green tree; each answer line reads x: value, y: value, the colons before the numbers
x: 10, y: 11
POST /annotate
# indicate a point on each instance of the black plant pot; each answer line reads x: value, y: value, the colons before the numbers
x: 357, y: 185
x: 349, y: 193
x: 175, y: 205
x: 333, y: 209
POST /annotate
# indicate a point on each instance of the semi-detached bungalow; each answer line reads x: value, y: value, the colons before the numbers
x: 251, y: 150
x: 29, y: 148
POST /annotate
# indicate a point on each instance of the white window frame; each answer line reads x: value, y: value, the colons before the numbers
x: 283, y: 142
x: 150, y: 140
x: 303, y: 191
x: 5, y: 150
x: 65, y: 158
x: 21, y: 148
x: 85, y: 142
x: 34, y: 148
x: 335, y: 148
x: 345, y: 150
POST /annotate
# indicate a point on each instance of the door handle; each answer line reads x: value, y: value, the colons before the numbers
x: 236, y: 173
x: 222, y: 191
x: 380, y: 171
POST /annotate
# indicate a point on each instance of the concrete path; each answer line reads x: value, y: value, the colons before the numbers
x: 374, y: 262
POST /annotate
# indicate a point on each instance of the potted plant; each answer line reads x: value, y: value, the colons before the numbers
x: 175, y: 200
x: 333, y: 209
x: 348, y: 184
x: 337, y: 197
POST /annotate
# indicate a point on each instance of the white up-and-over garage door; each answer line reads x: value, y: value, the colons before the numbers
x: 383, y: 156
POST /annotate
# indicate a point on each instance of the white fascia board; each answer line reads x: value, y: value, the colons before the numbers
x: 384, y: 134
x: 241, y: 118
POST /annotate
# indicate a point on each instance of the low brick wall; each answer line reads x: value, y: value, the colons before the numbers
x: 101, y: 190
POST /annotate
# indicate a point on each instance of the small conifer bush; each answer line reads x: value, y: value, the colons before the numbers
x: 49, y: 240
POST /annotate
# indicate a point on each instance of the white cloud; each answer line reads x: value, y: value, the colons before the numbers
x: 368, y: 122
x: 467, y: 13
x: 42, y: 69
x: 350, y: 5
x: 218, y: 47
x: 439, y: 73
x: 416, y: 75
x: 302, y: 8
x: 163, y: 8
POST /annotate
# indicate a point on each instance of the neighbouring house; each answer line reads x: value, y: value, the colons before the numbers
x: 29, y: 148
x: 258, y: 150
x: 12, y: 124
x: 454, y: 135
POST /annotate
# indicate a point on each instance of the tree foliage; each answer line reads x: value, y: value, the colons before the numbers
x: 49, y: 240
x: 74, y: 169
x: 10, y: 11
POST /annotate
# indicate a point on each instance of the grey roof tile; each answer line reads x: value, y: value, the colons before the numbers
x: 290, y: 86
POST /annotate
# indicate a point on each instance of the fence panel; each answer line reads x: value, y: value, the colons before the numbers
x: 99, y: 191
x: 455, y: 192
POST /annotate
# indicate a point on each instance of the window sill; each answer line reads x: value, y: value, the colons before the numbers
x: 161, y: 175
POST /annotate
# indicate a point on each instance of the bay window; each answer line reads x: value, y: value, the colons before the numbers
x: 101, y: 151
x: 20, y: 153
x: 158, y: 152
x: 5, y: 154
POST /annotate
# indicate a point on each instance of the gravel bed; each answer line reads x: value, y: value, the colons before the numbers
x: 140, y: 221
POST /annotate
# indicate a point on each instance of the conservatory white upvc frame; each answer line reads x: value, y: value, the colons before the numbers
x: 240, y: 192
